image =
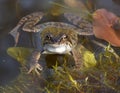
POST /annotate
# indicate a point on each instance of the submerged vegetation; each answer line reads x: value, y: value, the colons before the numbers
x: 95, y: 76
x: 101, y: 75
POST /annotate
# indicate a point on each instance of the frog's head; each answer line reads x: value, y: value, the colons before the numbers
x: 59, y: 43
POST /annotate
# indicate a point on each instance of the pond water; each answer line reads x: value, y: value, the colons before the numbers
x: 9, y: 16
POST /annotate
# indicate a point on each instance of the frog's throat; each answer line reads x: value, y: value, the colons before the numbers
x: 57, y: 49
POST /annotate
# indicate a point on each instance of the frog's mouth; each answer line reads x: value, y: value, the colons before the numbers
x: 59, y: 49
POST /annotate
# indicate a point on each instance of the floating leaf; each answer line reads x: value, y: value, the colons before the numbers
x: 19, y: 53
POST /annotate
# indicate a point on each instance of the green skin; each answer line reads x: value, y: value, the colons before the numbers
x: 52, y: 37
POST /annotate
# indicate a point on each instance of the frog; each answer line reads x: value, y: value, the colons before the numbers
x: 62, y: 40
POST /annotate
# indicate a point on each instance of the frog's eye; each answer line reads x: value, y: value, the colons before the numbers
x: 64, y: 36
x: 48, y: 36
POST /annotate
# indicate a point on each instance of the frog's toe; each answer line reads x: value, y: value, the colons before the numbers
x: 36, y: 67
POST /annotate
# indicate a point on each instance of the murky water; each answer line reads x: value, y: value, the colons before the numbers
x: 10, y: 12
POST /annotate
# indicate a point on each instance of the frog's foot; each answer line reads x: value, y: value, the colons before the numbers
x: 33, y: 60
x: 36, y: 67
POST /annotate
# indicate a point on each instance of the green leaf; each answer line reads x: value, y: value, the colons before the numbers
x: 19, y: 53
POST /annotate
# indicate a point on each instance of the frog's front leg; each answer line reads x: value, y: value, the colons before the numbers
x: 77, y: 58
x: 28, y: 21
x: 33, y: 62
